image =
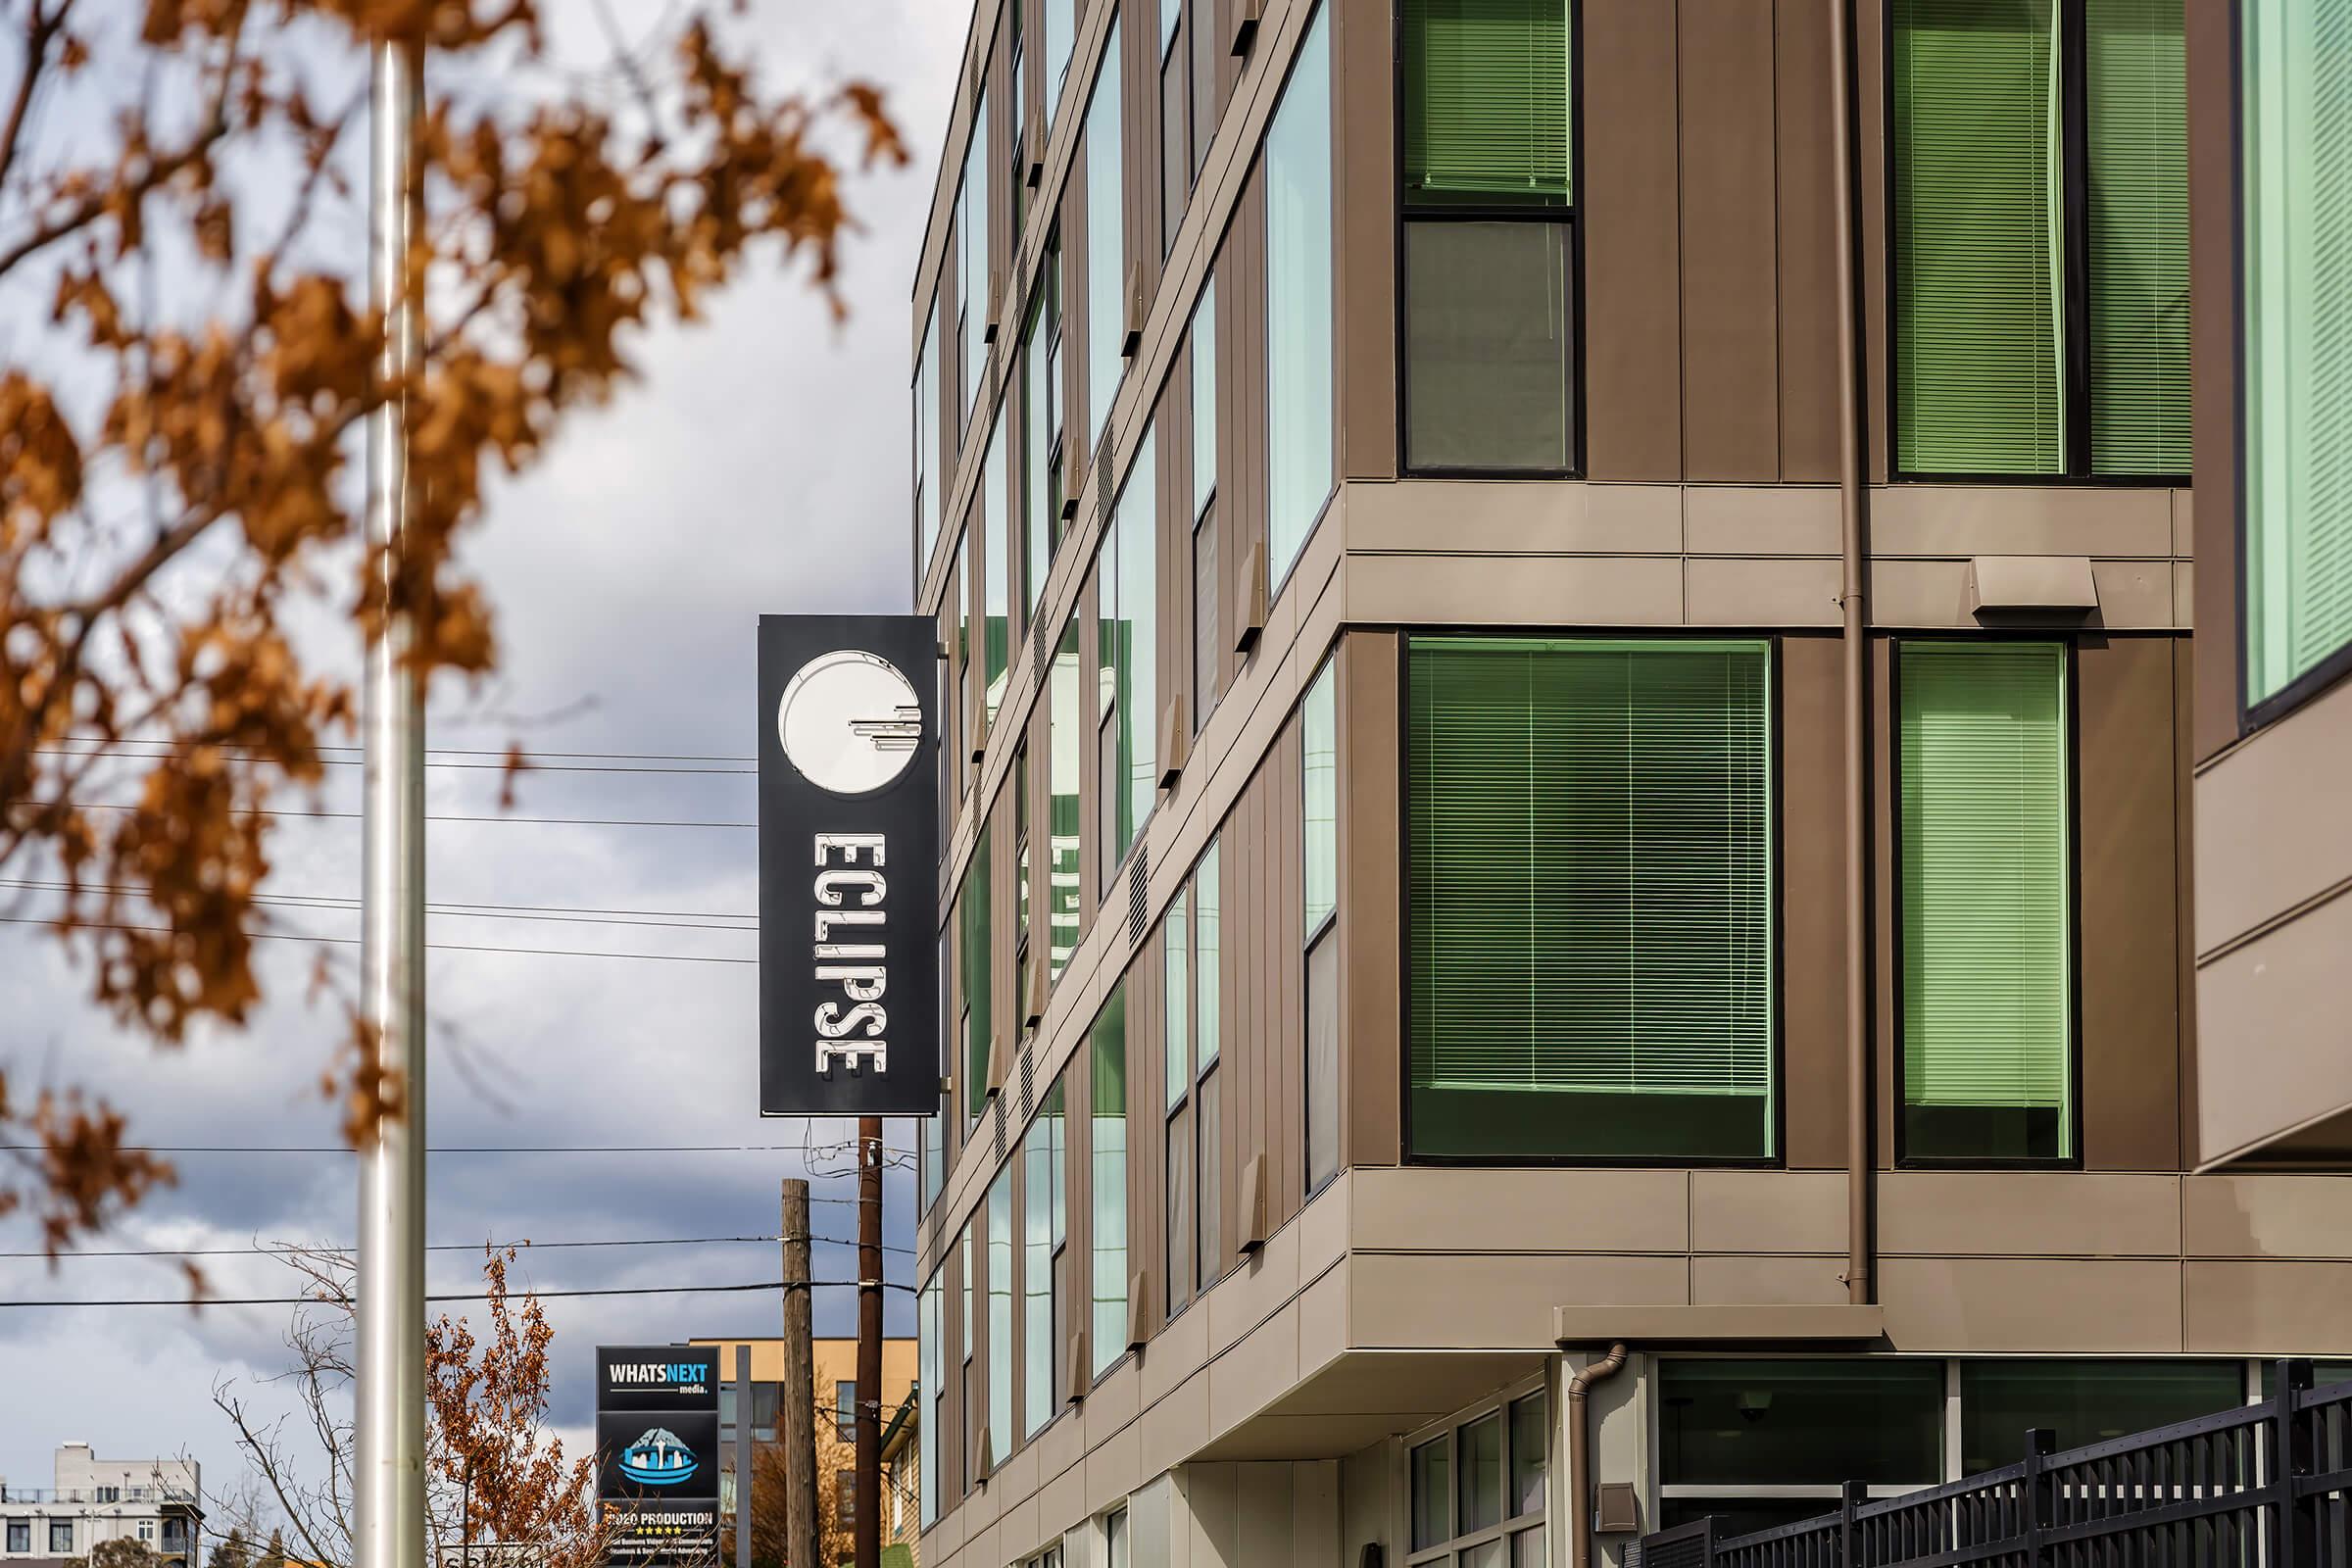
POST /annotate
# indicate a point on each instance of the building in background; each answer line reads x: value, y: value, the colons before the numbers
x: 2273, y: 592
x: 157, y: 1503
x: 1379, y: 470
x: 835, y: 1364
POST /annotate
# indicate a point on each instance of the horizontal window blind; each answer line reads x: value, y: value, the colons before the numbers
x: 2297, y: 126
x: 1486, y: 89
x: 1592, y: 866
x: 2137, y: 110
x: 1980, y: 239
x: 1987, y: 1009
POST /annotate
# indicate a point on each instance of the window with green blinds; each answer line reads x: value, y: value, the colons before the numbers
x: 2296, y: 126
x: 2137, y: 114
x: 1486, y: 99
x: 2042, y: 236
x: 1987, y: 1036
x: 1980, y: 239
x: 1590, y: 870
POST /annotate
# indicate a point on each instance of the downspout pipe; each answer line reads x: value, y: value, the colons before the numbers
x: 1580, y: 1456
x: 1853, y: 602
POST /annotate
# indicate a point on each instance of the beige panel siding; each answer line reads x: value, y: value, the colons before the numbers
x: 2111, y: 1307
x: 2055, y: 1213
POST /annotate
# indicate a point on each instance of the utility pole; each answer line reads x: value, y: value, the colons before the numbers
x: 388, y: 1481
x: 868, y: 1523
x: 799, y: 1393
x: 742, y: 1456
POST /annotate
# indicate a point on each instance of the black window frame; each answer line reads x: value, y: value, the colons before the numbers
x: 1409, y: 212
x: 2072, y: 44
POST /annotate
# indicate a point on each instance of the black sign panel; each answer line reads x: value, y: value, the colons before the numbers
x: 656, y: 1377
x: 657, y: 1455
x: 661, y: 1532
x: 848, y: 862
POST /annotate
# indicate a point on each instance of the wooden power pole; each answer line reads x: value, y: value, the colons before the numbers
x: 868, y: 1523
x: 799, y: 1394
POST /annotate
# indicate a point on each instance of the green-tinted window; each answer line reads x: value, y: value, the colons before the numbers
x: 1980, y: 237
x: 2082, y: 1401
x: 1067, y: 732
x: 1986, y: 1007
x: 2013, y: 355
x: 2137, y: 118
x: 1106, y: 1132
x: 1043, y: 1225
x: 1041, y: 428
x: 1105, y: 243
x: 1590, y: 898
x: 2297, y: 376
x: 1319, y: 749
x: 1176, y: 1040
x: 1485, y: 101
x: 1775, y: 1423
x: 997, y: 569
x: 999, y: 1314
x: 1127, y: 613
x: 1299, y: 304
x: 979, y: 961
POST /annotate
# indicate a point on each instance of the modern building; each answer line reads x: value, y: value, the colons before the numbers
x: 1571, y: 726
x: 157, y: 1503
x: 2273, y: 737
x: 834, y: 1364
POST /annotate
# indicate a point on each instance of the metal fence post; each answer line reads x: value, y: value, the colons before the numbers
x: 2293, y: 1544
x: 1850, y: 1496
x: 2040, y: 1444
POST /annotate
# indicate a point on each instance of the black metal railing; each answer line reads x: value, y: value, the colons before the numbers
x: 2256, y: 1486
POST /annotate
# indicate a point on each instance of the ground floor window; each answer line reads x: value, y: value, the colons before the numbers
x: 1478, y: 1486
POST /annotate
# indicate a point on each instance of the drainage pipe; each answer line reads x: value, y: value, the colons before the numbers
x: 1580, y: 1456
x: 1853, y: 601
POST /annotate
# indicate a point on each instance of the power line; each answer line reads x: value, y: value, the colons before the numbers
x: 96, y: 742
x: 527, y: 766
x: 439, y: 946
x: 431, y: 817
x: 524, y: 1244
x: 472, y: 1149
x: 188, y: 1304
x: 337, y: 903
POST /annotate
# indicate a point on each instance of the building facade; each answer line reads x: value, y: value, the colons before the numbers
x: 833, y: 1366
x: 1544, y: 754
x: 157, y: 1503
x: 2273, y: 600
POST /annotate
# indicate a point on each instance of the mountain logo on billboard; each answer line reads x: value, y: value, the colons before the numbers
x: 850, y: 721
x: 658, y: 1458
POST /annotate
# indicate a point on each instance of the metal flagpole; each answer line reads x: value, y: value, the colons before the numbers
x: 389, y: 1526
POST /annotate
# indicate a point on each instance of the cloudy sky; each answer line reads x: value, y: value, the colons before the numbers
x: 758, y: 466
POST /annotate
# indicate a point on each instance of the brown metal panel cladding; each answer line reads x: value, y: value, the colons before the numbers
x: 1731, y: 369
x: 1287, y: 997
x: 1075, y: 434
x: 1808, y: 260
x: 1372, y: 893
x: 1078, y: 1145
x: 2213, y: 330
x: 1258, y: 849
x: 1812, y: 901
x: 1870, y: 152
x: 1887, y: 1088
x: 1363, y: 140
x: 2126, y: 839
x: 2184, y: 901
x: 1228, y: 1003
x: 1172, y: 476
x: 1633, y: 260
x: 1139, y: 141
x: 1004, y: 961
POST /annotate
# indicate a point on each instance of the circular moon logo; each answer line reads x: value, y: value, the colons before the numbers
x: 850, y: 721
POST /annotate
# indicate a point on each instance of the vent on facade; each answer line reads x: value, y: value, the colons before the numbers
x: 1102, y: 487
x: 1139, y: 875
x: 1175, y: 741
x: 1028, y: 1084
x: 1244, y: 16
x: 1249, y: 617
x: 1000, y: 1129
x: 1040, y: 633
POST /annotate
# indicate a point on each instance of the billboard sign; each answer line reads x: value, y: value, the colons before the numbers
x: 849, y: 863
x: 656, y: 1451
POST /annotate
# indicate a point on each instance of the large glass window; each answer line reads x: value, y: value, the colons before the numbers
x: 1066, y: 821
x: 2041, y: 237
x: 1319, y: 764
x: 1193, y: 1134
x: 934, y: 1158
x: 1061, y: 36
x: 927, y: 499
x: 1209, y: 1002
x: 1488, y: 236
x: 1000, y: 1317
x: 1589, y: 893
x: 1205, y: 584
x: 979, y: 963
x: 1127, y: 613
x: 1298, y: 303
x: 1761, y: 1443
x: 997, y: 564
x: 1041, y: 424
x: 1478, y: 1488
x: 2296, y: 115
x: 1987, y: 1013
x: 2082, y: 1401
x: 1175, y: 115
x: 1045, y: 1232
x: 931, y: 1374
x: 971, y: 238
x: 1105, y: 244
x: 1107, y: 1145
x: 966, y: 1266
